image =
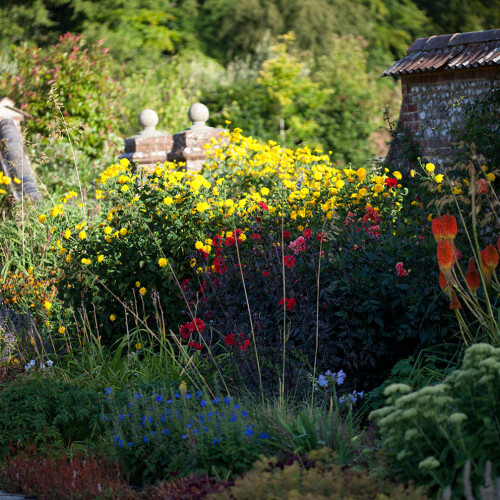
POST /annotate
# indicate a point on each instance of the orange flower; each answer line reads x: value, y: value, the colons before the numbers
x: 472, y: 277
x: 491, y: 257
x: 449, y: 227
x: 445, y: 257
x: 486, y: 269
x: 454, y: 303
x: 437, y: 230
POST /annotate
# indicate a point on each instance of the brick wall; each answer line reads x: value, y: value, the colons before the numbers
x: 433, y: 103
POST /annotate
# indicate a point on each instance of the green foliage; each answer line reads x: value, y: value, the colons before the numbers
x: 70, y: 91
x: 431, y: 433
x: 47, y: 413
x: 161, y: 433
x: 316, y: 478
x: 330, y: 104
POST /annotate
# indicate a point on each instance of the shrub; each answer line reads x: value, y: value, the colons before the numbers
x: 47, y: 413
x: 64, y: 478
x: 317, y: 479
x: 431, y: 433
x: 74, y: 80
x: 156, y: 435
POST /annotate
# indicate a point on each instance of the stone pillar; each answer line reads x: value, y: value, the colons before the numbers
x: 149, y: 146
x: 188, y: 145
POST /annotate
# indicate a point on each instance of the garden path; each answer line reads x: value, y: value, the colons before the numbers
x: 10, y: 496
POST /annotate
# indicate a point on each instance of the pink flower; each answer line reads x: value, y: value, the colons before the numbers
x: 400, y: 270
x: 299, y: 245
x: 482, y: 186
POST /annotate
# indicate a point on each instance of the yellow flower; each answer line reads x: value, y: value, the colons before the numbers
x: 112, y: 317
x: 168, y: 200
x: 82, y: 235
x: 243, y: 237
x: 264, y: 191
x: 412, y: 173
x: 61, y: 329
x: 42, y: 218
x: 124, y: 162
x: 108, y: 230
x: 68, y: 258
x: 457, y: 190
x: 123, y: 231
x: 198, y: 245
x: 138, y: 284
x: 397, y: 175
x: 100, y: 258
x: 125, y: 188
x: 67, y: 234
x: 429, y: 167
x: 429, y: 217
x: 16, y: 180
x: 192, y: 263
x: 142, y: 291
x: 162, y: 262
x: 202, y: 206
x: 47, y: 305
x: 183, y: 388
x: 108, y: 238
x: 138, y: 345
x: 439, y: 178
x: 86, y: 261
x: 490, y: 177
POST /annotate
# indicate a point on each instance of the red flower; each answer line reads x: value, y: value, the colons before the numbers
x: 320, y: 236
x: 195, y: 345
x: 472, y: 277
x: 288, y: 303
x: 229, y: 339
x: 289, y: 261
x: 185, y: 331
x: 244, y: 346
x: 454, y: 303
x: 286, y: 235
x: 488, y: 273
x: 197, y: 325
x: 371, y: 216
x: 265, y: 273
x: 491, y: 257
x: 307, y: 233
x: 217, y: 241
x: 391, y: 182
x: 219, y: 265
x: 263, y: 206
x: 437, y: 230
x: 230, y: 241
x: 256, y: 236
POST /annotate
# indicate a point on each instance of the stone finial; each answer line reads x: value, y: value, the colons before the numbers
x: 148, y: 119
x: 150, y: 146
x: 198, y: 114
x: 188, y: 145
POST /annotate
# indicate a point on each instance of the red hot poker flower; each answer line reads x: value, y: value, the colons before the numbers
x: 449, y: 227
x: 444, y: 284
x: 472, y: 277
x: 491, y: 257
x: 437, y: 230
x: 445, y: 258
x: 486, y: 269
x: 454, y: 303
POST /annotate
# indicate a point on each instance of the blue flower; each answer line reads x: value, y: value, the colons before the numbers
x: 159, y: 398
x: 184, y: 436
x: 248, y: 431
x: 137, y: 396
x: 233, y: 417
x: 145, y: 439
x: 177, y: 396
x: 165, y: 431
x: 107, y: 391
x: 216, y: 441
x: 169, y: 401
x: 203, y: 403
x: 198, y: 394
x: 188, y: 396
x: 322, y: 381
x: 188, y: 426
x: 264, y: 435
x: 130, y: 443
x: 216, y: 400
x: 227, y: 400
x: 244, y: 414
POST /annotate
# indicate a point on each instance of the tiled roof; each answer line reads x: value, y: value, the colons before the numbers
x: 449, y: 52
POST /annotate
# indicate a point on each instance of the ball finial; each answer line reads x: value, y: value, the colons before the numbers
x: 198, y: 113
x: 148, y: 119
